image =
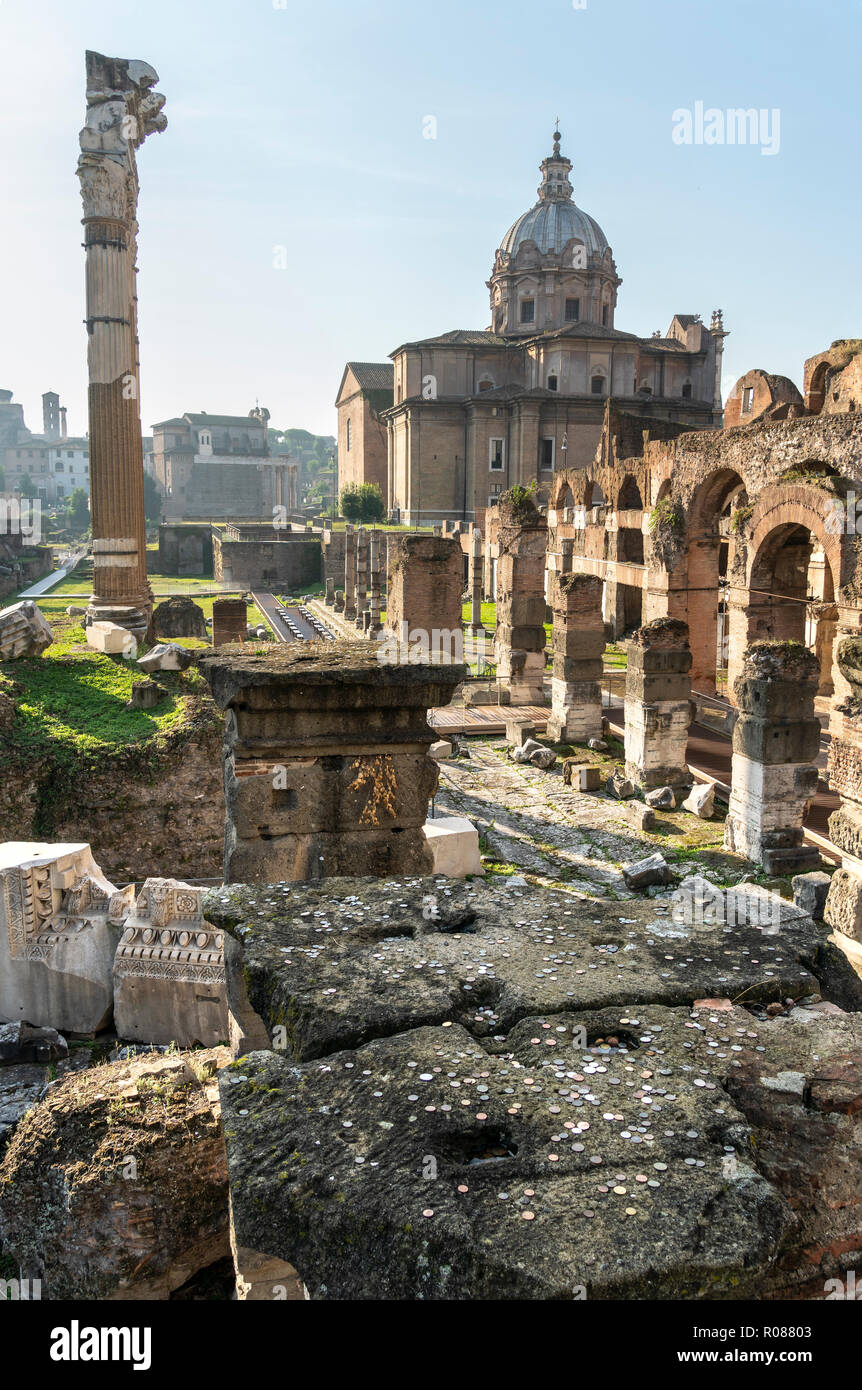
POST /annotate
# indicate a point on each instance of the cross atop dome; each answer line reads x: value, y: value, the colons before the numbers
x: 555, y: 185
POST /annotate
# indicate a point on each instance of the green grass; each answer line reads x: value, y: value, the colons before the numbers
x: 77, y: 700
x: 71, y: 719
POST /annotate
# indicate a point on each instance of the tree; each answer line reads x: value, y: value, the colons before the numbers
x: 152, y: 500
x: 362, y: 502
x: 27, y: 487
x: 78, y: 511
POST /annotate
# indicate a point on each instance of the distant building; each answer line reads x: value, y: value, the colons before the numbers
x: 367, y: 389
x: 55, y: 462
x: 220, y: 466
x: 476, y: 411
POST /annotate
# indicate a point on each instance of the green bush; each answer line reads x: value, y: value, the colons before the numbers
x: 362, y: 502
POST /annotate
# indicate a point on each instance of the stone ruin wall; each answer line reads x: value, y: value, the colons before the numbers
x: 165, y: 818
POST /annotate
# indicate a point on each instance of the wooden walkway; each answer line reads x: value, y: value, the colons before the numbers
x: 485, y: 719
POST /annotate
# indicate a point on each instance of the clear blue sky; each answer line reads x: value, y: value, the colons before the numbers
x: 302, y: 127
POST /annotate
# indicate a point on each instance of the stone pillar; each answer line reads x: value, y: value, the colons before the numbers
x: 658, y: 705
x: 329, y: 598
x: 349, y: 574
x: 579, y: 642
x: 844, y: 903
x: 567, y: 552
x: 825, y: 616
x: 474, y: 581
x: 326, y: 760
x: 374, y: 543
x: 425, y: 585
x: 339, y: 600
x: 775, y: 742
x: 361, y: 577
x: 122, y: 110
x: 230, y: 621
x: 519, y: 647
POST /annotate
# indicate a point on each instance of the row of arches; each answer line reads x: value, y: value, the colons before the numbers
x: 745, y: 567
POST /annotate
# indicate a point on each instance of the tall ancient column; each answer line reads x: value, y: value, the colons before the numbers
x: 122, y: 110
x: 775, y: 741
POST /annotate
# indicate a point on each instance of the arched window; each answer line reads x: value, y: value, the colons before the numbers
x: 597, y: 385
x: 349, y: 435
x: 686, y: 391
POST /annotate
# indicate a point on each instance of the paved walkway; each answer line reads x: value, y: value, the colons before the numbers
x: 49, y: 580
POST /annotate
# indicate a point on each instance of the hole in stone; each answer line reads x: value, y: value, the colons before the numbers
x: 610, y: 1041
x: 483, y: 1146
x: 284, y: 799
x: 334, y: 762
x: 464, y: 922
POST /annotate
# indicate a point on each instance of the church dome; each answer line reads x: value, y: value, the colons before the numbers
x: 555, y: 219
x: 550, y: 225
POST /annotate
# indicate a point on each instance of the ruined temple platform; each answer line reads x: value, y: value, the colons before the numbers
x: 468, y: 1091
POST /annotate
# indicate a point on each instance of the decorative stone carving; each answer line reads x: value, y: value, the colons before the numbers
x: 169, y: 969
x: 59, y: 926
x: 24, y: 631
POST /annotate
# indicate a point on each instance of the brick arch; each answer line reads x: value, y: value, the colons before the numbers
x: 573, y: 479
x: 770, y: 599
x: 796, y: 505
x: 694, y: 589
x: 630, y: 494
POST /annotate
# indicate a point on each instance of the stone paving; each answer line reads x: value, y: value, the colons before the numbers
x: 531, y: 820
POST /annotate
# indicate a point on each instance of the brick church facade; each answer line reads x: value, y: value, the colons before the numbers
x: 474, y: 412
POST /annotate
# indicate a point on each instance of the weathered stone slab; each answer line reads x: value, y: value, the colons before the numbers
x: 166, y: 656
x: 375, y: 1007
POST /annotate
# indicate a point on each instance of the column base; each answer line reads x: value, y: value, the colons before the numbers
x: 134, y: 620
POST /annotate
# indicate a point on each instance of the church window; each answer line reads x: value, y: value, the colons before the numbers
x: 548, y: 453
x: 349, y: 435
x: 598, y: 385
x: 495, y: 455
x: 686, y: 391
x: 573, y: 310
x: 486, y: 385
x: 552, y: 383
x: 528, y: 310
x: 605, y: 315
